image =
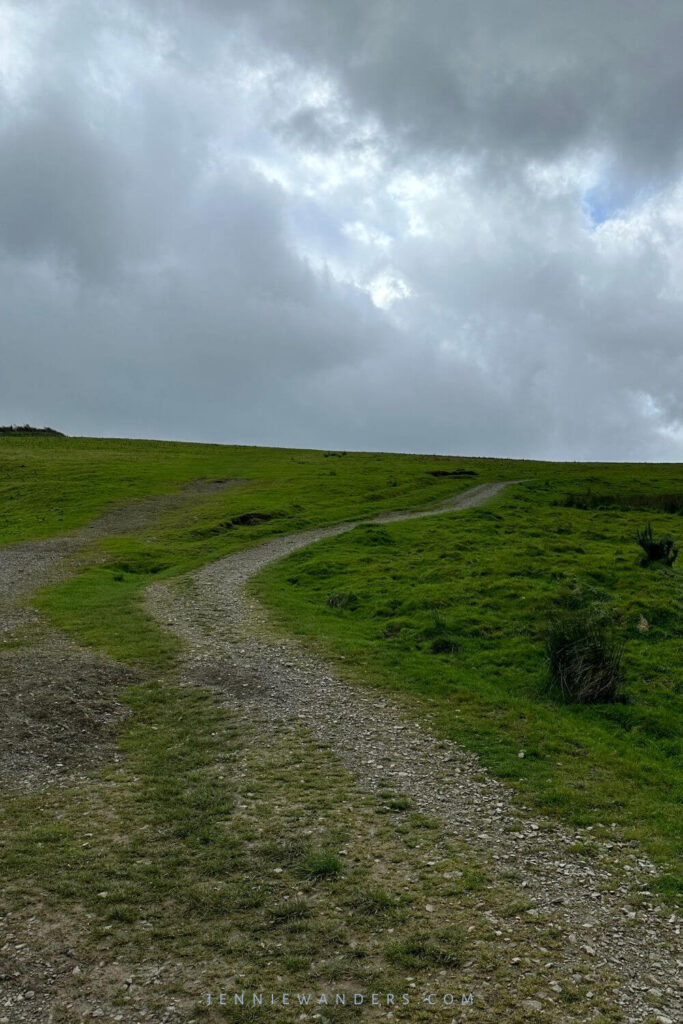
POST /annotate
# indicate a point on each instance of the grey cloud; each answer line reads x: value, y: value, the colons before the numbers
x: 307, y: 128
x: 533, y: 78
x: 57, y: 189
x: 189, y: 236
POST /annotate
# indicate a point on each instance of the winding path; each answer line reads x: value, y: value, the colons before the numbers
x: 613, y: 924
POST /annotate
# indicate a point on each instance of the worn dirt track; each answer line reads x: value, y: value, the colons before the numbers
x: 58, y: 701
x: 614, y: 926
x: 615, y: 932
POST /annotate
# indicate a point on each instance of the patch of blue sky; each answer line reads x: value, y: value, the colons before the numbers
x: 608, y: 201
x: 600, y: 204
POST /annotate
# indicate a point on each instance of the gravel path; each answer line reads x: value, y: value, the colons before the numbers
x: 603, y: 903
x: 58, y: 701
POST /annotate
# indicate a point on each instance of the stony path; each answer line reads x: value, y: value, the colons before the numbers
x: 26, y: 567
x: 58, y: 701
x: 603, y: 903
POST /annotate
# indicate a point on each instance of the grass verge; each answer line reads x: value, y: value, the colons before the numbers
x: 233, y: 856
x: 452, y: 613
x: 53, y: 485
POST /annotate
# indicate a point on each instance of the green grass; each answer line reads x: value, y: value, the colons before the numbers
x: 229, y: 855
x: 50, y: 486
x: 239, y: 854
x: 452, y: 612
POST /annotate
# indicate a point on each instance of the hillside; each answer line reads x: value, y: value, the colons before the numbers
x: 191, y: 783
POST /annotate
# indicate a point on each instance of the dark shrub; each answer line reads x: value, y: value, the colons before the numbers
x: 584, y: 662
x: 452, y: 472
x: 671, y: 502
x: 28, y: 429
x: 663, y: 550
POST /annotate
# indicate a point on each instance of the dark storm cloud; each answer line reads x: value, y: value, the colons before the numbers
x: 531, y: 78
x: 447, y: 226
x: 58, y: 189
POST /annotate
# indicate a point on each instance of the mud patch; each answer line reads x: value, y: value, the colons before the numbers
x: 138, y: 515
x: 60, y: 710
x: 245, y: 519
x: 203, y: 486
x: 37, y: 958
x: 60, y: 706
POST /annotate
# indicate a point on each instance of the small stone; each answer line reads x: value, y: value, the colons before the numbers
x: 522, y: 754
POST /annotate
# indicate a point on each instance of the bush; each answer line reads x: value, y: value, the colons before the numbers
x: 28, y: 429
x: 584, y: 662
x: 663, y: 550
x: 671, y: 503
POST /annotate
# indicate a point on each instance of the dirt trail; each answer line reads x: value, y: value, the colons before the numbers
x: 58, y: 706
x: 26, y: 567
x: 602, y: 902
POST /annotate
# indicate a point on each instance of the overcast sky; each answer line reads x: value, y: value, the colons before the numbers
x: 407, y: 225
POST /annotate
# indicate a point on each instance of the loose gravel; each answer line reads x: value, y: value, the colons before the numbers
x: 59, y: 711
x: 603, y: 902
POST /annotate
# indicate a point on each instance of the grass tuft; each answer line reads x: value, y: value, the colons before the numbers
x: 321, y: 864
x: 662, y: 550
x: 423, y: 949
x: 584, y: 662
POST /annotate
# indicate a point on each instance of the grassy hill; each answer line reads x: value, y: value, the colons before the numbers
x: 449, y: 612
x: 203, y: 844
x: 452, y: 613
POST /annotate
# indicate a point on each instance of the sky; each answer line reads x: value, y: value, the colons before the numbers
x: 448, y: 226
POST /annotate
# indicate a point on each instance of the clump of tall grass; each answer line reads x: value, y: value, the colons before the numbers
x: 584, y: 661
x: 671, y: 503
x: 662, y: 550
